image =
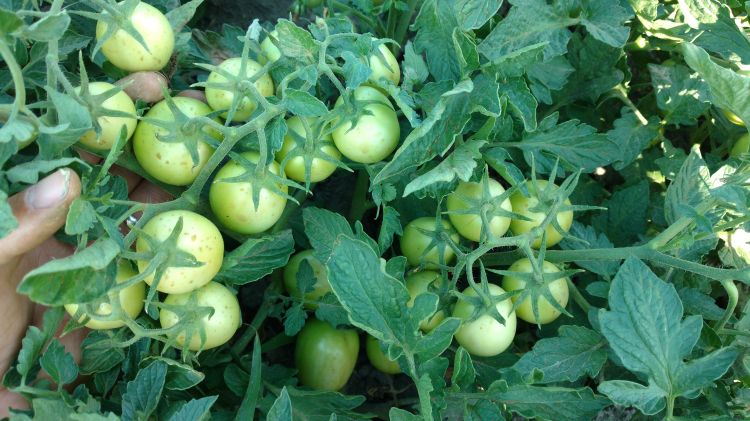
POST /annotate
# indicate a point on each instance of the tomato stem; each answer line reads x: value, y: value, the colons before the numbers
x: 732, y: 298
x: 578, y: 297
x: 359, y: 198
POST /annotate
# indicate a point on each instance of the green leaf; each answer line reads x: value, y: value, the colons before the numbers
x: 604, y: 268
x: 605, y: 20
x: 390, y: 226
x: 142, y: 394
x: 460, y: 164
x: 281, y: 410
x: 472, y: 14
x: 626, y: 216
x: 195, y: 410
x: 435, y: 25
x: 179, y: 376
x: 322, y: 228
x: 8, y: 221
x: 720, y: 35
x: 650, y: 400
x: 521, y: 101
x: 9, y: 22
x: 180, y: 16
x: 296, y: 43
x: 81, y: 217
x: 253, y: 389
x: 689, y: 190
x: 318, y: 405
x: 47, y: 28
x: 256, y: 258
x: 552, y: 403
x: 681, y: 95
x: 303, y: 104
x: 59, y: 364
x: 632, y: 136
x: 29, y: 172
x: 101, y: 352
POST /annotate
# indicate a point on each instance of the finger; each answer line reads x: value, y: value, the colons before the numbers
x: 40, y: 211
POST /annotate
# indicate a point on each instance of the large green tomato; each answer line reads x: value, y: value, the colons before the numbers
x: 388, y: 69
x: 125, y: 52
x: 218, y: 327
x: 371, y: 137
x: 521, y: 205
x: 378, y: 359
x: 470, y: 224
x: 233, y: 203
x: 131, y: 301
x: 418, y: 283
x: 110, y: 126
x: 321, y: 287
x: 558, y: 288
x: 271, y: 52
x: 325, y: 356
x: 414, y: 243
x: 294, y: 168
x: 199, y: 237
x: 221, y: 99
x: 741, y: 146
x: 485, y: 336
x: 170, y: 162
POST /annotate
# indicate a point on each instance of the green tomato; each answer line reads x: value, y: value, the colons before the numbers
x: 378, y: 359
x: 271, y: 52
x: 198, y: 237
x: 739, y: 241
x: 320, y: 169
x: 127, y: 53
x: 485, y: 336
x: 218, y: 327
x: 321, y: 287
x: 325, y: 356
x: 414, y: 243
x: 558, y: 288
x: 371, y: 137
x: 387, y: 68
x: 418, y: 283
x: 170, y: 162
x: 233, y: 204
x: 110, y: 126
x: 741, y: 146
x: 221, y: 99
x: 732, y: 117
x: 470, y: 224
x: 131, y: 301
x: 521, y: 205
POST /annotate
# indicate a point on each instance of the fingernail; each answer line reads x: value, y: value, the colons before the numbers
x: 49, y: 192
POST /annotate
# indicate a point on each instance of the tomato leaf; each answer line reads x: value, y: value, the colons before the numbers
x: 256, y: 258
x: 195, y: 409
x: 59, y: 364
x: 142, y: 393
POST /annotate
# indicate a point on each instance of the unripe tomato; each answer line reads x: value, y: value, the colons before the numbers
x: 110, y: 126
x: 271, y: 52
x: 732, y: 117
x: 325, y: 356
x: 485, y: 336
x: 418, y: 283
x: 741, y: 146
x: 199, y: 237
x: 295, y: 168
x: 218, y: 327
x: 125, y: 52
x: 387, y: 68
x: 321, y: 287
x: 221, y: 99
x: 170, y: 162
x: 470, y: 224
x: 378, y: 359
x: 233, y: 204
x: 521, y: 205
x: 131, y: 301
x: 414, y: 243
x: 371, y: 137
x: 558, y: 288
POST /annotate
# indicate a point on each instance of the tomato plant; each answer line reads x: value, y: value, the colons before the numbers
x: 325, y: 356
x: 545, y: 311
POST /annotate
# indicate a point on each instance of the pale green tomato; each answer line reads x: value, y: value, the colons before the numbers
x: 521, y: 205
x: 109, y: 125
x: 325, y: 356
x: 295, y: 168
x: 741, y: 146
x: 170, y: 162
x: 418, y: 283
x: 732, y: 117
x: 127, y: 53
x: 558, y: 288
x: 233, y: 204
x: 218, y: 328
x: 367, y: 93
x: 374, y: 136
x: 221, y: 99
x: 321, y: 287
x: 485, y: 336
x: 131, y: 301
x: 388, y: 69
x: 414, y: 243
x: 378, y: 359
x: 271, y: 52
x: 199, y: 237
x: 470, y: 225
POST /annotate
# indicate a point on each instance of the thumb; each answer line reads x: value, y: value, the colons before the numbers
x: 40, y: 210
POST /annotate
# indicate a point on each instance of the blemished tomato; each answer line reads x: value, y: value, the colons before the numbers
x: 414, y: 243
x: 321, y: 287
x: 170, y: 162
x: 384, y: 67
x: 521, y: 205
x: 294, y: 168
x: 199, y: 237
x: 371, y: 137
x: 221, y: 99
x: 558, y: 288
x: 218, y: 327
x: 378, y: 359
x: 485, y: 336
x: 741, y: 146
x: 325, y: 356
x: 418, y: 283
x: 125, y: 52
x: 131, y: 301
x: 271, y: 52
x: 233, y: 204
x: 466, y: 196
x: 110, y: 125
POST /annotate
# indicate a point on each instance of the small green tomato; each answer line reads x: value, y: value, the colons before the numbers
x: 320, y: 169
x: 385, y: 66
x: 321, y: 287
x: 741, y: 146
x: 469, y: 225
x: 415, y: 243
x: 271, y: 52
x: 418, y: 283
x: 221, y: 99
x: 485, y: 336
x: 521, y: 205
x: 378, y: 359
x: 110, y: 125
x: 558, y: 288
